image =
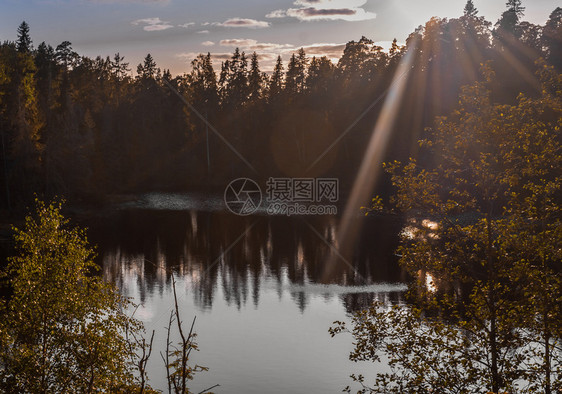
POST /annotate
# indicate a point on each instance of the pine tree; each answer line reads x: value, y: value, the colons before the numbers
x: 291, y: 78
x: 320, y: 74
x: 255, y: 79
x: 394, y: 48
x: 23, y: 43
x: 147, y: 70
x: 223, y: 81
x: 65, y: 55
x: 22, y: 120
x: 203, y: 82
x: 234, y: 79
x: 46, y: 72
x: 515, y: 7
x: 120, y: 69
x: 276, y: 82
x: 470, y: 10
x: 509, y: 21
x: 302, y: 63
x: 357, y: 59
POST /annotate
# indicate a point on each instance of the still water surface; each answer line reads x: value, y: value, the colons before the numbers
x: 253, y: 283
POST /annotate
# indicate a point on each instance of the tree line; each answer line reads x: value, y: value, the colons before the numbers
x: 85, y: 128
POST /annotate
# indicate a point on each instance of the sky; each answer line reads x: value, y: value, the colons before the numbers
x: 175, y: 31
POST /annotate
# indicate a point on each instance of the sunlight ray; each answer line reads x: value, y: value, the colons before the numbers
x: 367, y: 176
x: 512, y: 59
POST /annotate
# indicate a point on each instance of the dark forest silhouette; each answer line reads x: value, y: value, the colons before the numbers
x: 86, y: 128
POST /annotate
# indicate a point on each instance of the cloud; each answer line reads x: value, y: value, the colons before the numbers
x: 130, y: 1
x: 324, y: 49
x: 311, y: 10
x: 268, y: 60
x: 267, y: 46
x: 207, y: 43
x: 187, y: 55
x: 148, y: 21
x: 152, y: 24
x: 331, y: 50
x: 186, y: 25
x: 346, y: 14
x: 242, y: 22
x: 157, y: 27
x: 277, y: 14
x: 190, y: 56
x: 327, y: 4
x: 222, y: 56
x: 252, y: 45
x: 237, y: 42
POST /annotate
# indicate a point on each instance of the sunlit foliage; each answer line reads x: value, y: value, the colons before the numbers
x: 63, y: 327
x: 483, y: 244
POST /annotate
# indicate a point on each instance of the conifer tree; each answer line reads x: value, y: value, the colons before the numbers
x: 276, y: 82
x: 255, y: 79
x: 469, y: 9
x: 24, y: 40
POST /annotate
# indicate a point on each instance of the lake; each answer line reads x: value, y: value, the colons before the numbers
x: 255, y: 285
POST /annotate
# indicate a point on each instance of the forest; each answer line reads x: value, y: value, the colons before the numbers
x: 471, y: 184
x: 87, y: 128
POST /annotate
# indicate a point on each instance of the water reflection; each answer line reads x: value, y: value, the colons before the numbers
x: 254, y: 284
x: 242, y: 255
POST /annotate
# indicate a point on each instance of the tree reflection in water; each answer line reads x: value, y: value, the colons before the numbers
x: 243, y: 254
